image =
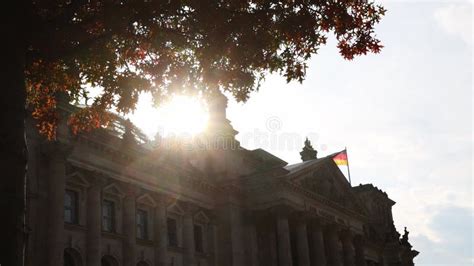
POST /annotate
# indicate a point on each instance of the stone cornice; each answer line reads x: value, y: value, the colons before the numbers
x: 146, y: 167
x: 142, y: 163
x: 281, y: 184
x: 300, y: 190
x: 113, y: 174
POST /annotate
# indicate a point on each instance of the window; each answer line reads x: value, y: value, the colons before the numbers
x: 108, y: 216
x: 198, y: 238
x: 70, y: 207
x: 142, y: 224
x: 172, y: 232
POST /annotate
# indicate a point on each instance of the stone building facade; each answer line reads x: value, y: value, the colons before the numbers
x: 107, y: 198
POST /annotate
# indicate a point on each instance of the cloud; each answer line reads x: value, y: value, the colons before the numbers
x: 456, y: 19
x: 454, y: 224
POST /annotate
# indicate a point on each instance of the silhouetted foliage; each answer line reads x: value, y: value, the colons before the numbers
x: 167, y: 47
x: 62, y: 48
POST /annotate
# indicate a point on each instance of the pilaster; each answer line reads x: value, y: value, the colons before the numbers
x: 161, y: 232
x: 129, y: 226
x: 188, y: 236
x: 93, y: 235
x: 212, y: 243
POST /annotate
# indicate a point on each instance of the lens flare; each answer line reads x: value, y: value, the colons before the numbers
x: 182, y: 115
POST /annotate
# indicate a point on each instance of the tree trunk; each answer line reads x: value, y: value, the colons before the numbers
x: 13, y: 154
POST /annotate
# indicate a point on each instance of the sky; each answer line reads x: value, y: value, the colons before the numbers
x: 405, y: 116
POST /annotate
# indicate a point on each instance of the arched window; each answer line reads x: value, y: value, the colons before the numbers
x: 72, y: 257
x: 109, y: 261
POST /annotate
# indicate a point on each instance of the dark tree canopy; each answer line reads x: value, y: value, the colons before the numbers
x: 170, y: 46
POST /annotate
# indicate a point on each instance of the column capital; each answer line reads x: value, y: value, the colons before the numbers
x: 301, y: 217
x: 282, y: 210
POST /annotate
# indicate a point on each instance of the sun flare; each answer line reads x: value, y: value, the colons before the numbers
x: 182, y: 115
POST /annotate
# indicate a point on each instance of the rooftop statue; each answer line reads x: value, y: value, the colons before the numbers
x: 404, y: 239
x: 308, y: 152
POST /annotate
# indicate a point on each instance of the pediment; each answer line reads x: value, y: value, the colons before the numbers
x: 114, y: 189
x: 77, y: 178
x: 201, y: 217
x: 176, y: 209
x: 323, y: 182
x: 147, y: 200
x: 326, y: 180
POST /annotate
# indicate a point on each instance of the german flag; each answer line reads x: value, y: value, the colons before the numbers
x: 341, y: 158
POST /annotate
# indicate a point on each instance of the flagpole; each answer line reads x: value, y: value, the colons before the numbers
x: 348, y: 168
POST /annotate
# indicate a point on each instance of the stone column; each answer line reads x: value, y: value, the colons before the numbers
x: 272, y: 239
x: 348, y: 248
x: 359, y: 251
x: 332, y: 244
x: 237, y: 235
x: 318, y: 250
x: 129, y: 227
x: 302, y: 241
x: 251, y: 234
x: 57, y: 154
x: 283, y: 238
x: 188, y: 239
x: 94, y: 230
x: 161, y: 233
x: 231, y: 235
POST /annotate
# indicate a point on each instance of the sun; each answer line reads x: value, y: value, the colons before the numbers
x: 181, y: 116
